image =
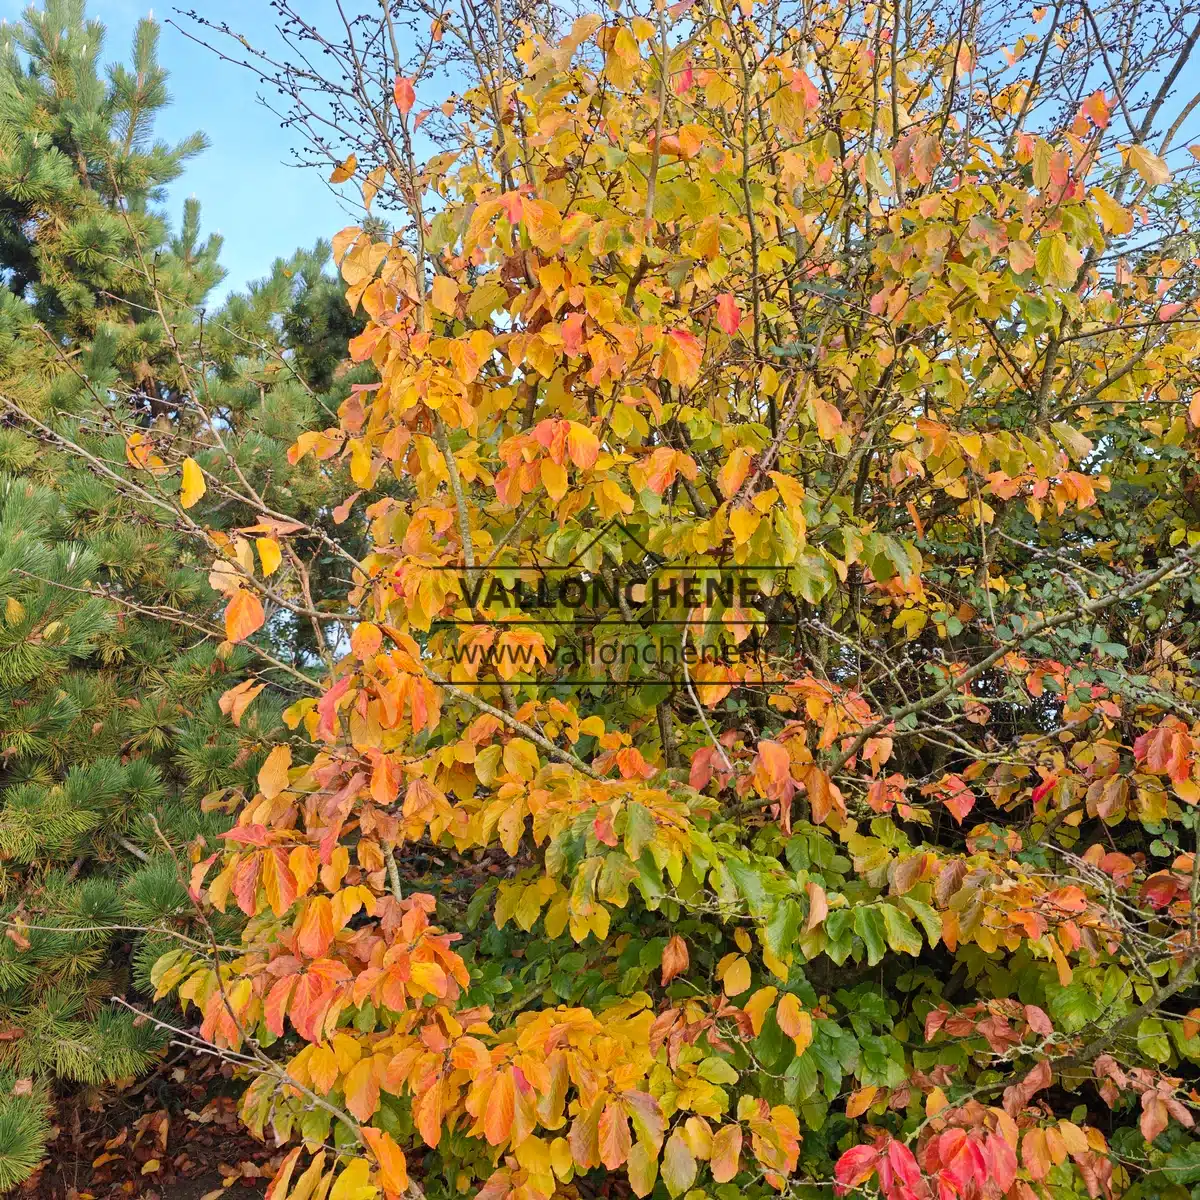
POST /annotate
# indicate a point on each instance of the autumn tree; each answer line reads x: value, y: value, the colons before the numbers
x: 890, y: 881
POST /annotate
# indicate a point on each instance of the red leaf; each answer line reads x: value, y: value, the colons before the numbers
x: 1044, y: 788
x: 900, y: 1163
x: 327, y: 708
x: 729, y: 316
x: 1039, y: 1022
x: 405, y: 95
x: 807, y: 89
x: 1003, y: 1162
x: 1160, y: 889
x: 856, y: 1166
x: 934, y: 1020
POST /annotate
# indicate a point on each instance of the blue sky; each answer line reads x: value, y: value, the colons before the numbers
x: 263, y: 207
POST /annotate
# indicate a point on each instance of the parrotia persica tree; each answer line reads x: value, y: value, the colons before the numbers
x: 894, y: 309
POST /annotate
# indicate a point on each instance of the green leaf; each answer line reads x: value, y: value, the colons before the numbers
x: 928, y: 918
x: 716, y: 1070
x: 1054, y: 263
x: 750, y: 883
x: 1153, y: 1040
x: 639, y: 829
x: 900, y: 931
x: 868, y: 924
x: 800, y: 1078
x: 1073, y: 1007
x: 781, y: 931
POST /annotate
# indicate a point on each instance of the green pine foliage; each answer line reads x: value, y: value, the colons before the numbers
x: 24, y: 1128
x: 118, y: 767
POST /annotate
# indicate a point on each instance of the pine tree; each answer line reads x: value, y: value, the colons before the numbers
x: 117, y: 762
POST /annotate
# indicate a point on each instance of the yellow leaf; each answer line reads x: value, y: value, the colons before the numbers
x: 269, y: 554
x: 560, y: 1159
x: 1149, y: 166
x: 445, y: 293
x: 139, y: 451
x: 743, y: 522
x: 521, y: 758
x: 733, y: 474
x: 372, y: 184
x: 273, y: 774
x: 306, y: 1185
x: 352, y: 1183
x: 554, y: 476
x: 193, y: 483
x: 235, y: 701
x: 737, y: 976
x: 794, y: 1021
x: 1113, y: 217
x: 360, y: 463
x: 344, y: 170
x: 758, y: 1004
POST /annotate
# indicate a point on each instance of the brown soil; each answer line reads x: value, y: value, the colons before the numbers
x: 172, y: 1136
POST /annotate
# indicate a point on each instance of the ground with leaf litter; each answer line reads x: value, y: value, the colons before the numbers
x: 173, y: 1136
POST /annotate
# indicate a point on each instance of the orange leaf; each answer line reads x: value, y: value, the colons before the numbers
x: 314, y: 930
x: 243, y: 616
x: 393, y: 1169
x: 794, y: 1021
x: 344, y: 170
x: 729, y: 316
x: 278, y: 881
x: 498, y: 1115
x: 362, y: 1089
x: 283, y: 1177
x: 828, y: 418
x: 818, y: 906
x: 674, y: 959
x: 234, y: 702
x: 366, y: 640
x: 726, y: 1151
x: 773, y: 769
x: 615, y: 1139
x: 583, y: 446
